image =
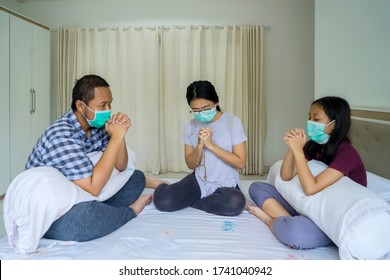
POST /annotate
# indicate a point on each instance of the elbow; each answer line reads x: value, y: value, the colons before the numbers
x: 120, y: 169
x: 94, y: 193
x: 241, y: 166
x: 284, y: 177
x: 190, y: 165
x: 91, y: 190
x: 309, y: 192
x: 310, y: 188
x: 239, y: 163
x: 87, y: 186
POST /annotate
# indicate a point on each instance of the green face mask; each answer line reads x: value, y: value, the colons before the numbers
x: 206, y: 116
x: 101, y: 117
x: 316, y: 132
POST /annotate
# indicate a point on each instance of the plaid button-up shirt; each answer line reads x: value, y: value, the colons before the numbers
x: 65, y: 146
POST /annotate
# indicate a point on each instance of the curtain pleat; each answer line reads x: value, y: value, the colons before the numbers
x: 63, y: 70
x: 255, y: 121
x: 149, y: 70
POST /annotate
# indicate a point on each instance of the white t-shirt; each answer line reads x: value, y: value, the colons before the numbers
x: 227, y: 132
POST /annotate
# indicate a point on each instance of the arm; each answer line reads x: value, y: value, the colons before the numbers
x: 193, y: 156
x: 310, y: 184
x: 123, y: 120
x: 122, y: 160
x: 288, y: 170
x: 104, y: 167
x: 236, y: 159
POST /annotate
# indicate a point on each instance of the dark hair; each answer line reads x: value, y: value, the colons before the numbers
x: 336, y: 108
x: 84, y: 89
x: 202, y: 89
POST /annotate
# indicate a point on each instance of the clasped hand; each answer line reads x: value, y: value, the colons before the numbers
x: 205, y: 136
x: 118, y: 124
x: 295, y: 138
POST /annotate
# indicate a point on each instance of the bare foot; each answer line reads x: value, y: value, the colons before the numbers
x: 152, y: 182
x: 141, y: 202
x: 259, y: 213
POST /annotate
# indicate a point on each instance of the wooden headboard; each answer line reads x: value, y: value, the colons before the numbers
x: 370, y: 135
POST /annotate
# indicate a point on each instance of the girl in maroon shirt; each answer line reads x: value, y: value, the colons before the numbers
x: 327, y: 130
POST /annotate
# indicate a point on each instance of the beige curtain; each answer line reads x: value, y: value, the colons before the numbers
x: 149, y: 70
x: 254, y: 113
x: 63, y: 76
x: 189, y: 54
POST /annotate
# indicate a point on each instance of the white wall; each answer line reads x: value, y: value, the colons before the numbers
x: 352, y: 52
x: 289, y: 45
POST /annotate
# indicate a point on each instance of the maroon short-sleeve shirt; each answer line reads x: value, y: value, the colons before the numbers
x: 347, y: 161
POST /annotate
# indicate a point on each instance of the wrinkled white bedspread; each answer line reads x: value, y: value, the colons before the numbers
x: 186, y: 234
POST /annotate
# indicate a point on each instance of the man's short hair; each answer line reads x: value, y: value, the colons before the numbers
x: 84, y: 89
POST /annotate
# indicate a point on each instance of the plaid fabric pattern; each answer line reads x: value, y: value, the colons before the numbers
x: 65, y: 146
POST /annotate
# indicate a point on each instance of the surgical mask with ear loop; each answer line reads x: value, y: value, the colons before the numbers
x: 206, y: 116
x: 101, y: 117
x: 316, y: 131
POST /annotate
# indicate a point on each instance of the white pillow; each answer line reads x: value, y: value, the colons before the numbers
x: 117, y: 179
x: 39, y: 196
x: 34, y: 200
x: 379, y: 185
x: 354, y: 217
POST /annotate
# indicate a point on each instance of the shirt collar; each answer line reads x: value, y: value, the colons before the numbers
x: 75, y: 123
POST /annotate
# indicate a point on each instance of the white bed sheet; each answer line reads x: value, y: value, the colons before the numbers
x: 186, y: 234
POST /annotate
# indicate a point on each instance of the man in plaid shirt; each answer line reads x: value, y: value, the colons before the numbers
x: 88, y: 127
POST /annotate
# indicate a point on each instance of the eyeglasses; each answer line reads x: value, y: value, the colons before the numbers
x: 205, y: 110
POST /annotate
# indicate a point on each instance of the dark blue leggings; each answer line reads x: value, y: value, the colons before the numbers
x: 94, y: 219
x: 186, y: 192
x: 296, y: 231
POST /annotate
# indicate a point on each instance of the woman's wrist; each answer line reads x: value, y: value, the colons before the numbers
x: 299, y: 155
x: 198, y: 153
x: 211, y: 147
x: 199, y: 146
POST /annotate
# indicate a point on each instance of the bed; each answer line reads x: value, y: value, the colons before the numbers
x: 191, y: 234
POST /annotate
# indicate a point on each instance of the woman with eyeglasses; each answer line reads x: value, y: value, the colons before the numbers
x: 215, y: 148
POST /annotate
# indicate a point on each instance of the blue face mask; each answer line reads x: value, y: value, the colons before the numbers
x: 316, y: 132
x: 206, y: 116
x: 101, y: 117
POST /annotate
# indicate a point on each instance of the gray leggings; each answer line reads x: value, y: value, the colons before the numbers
x: 297, y: 231
x: 186, y: 192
